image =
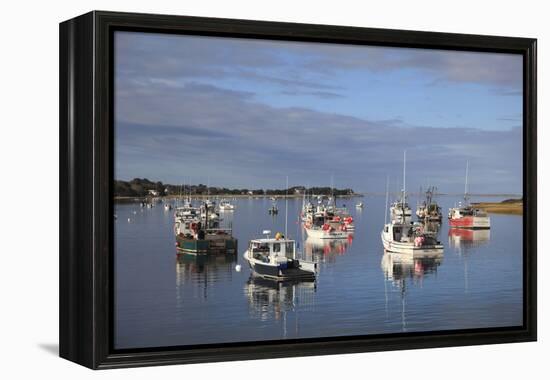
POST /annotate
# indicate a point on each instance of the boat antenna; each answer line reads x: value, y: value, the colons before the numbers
x: 404, y: 176
x: 387, y: 192
x: 466, y: 183
x: 332, y: 190
x: 286, y: 208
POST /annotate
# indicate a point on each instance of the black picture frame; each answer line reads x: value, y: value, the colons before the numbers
x: 86, y: 177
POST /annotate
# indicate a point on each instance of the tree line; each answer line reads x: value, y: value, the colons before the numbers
x: 141, y: 187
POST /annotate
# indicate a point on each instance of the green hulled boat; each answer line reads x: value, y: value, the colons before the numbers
x: 212, y: 242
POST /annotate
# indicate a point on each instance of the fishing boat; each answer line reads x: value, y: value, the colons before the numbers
x: 359, y: 206
x: 410, y: 238
x: 194, y: 237
x: 467, y: 216
x: 405, y: 237
x: 325, y: 225
x: 196, y: 233
x: 273, y: 210
x: 275, y: 258
x: 428, y: 210
x: 226, y: 206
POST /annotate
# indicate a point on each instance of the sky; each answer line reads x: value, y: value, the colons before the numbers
x: 247, y: 113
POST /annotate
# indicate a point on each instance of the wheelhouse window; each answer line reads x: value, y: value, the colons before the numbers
x: 289, y: 249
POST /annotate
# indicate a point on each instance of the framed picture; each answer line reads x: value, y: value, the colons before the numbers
x: 237, y: 189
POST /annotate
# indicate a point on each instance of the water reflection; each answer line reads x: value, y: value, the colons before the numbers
x: 325, y: 250
x: 162, y: 301
x: 398, y: 268
x: 464, y: 242
x: 269, y: 299
x: 203, y: 270
x: 464, y: 239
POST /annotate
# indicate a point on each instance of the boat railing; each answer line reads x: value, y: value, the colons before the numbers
x: 214, y: 230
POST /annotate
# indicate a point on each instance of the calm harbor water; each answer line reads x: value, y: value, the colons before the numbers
x: 162, y: 299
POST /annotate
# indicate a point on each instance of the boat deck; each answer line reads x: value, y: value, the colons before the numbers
x: 296, y: 273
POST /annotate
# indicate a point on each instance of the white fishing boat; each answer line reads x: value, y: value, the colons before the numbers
x: 410, y: 238
x: 275, y: 258
x: 226, y: 206
x: 405, y: 237
x: 359, y: 206
x: 323, y: 225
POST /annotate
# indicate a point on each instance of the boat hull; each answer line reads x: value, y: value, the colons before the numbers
x: 226, y: 245
x: 278, y: 272
x: 470, y: 222
x: 411, y: 248
x: 322, y: 234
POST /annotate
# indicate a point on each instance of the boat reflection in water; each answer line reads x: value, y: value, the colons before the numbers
x: 325, y: 250
x: 463, y: 239
x: 202, y: 270
x: 464, y: 242
x: 398, y: 268
x: 269, y: 299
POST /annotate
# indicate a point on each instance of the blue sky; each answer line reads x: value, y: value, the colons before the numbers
x: 247, y: 113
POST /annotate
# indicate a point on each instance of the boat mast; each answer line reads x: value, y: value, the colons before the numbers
x: 332, y: 191
x: 466, y: 183
x: 387, y: 192
x: 404, y: 181
x: 286, y: 208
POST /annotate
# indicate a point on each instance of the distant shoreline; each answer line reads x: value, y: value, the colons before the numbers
x: 223, y: 196
x: 509, y: 206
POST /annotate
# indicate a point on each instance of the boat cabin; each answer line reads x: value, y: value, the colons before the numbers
x: 399, y: 232
x: 460, y: 212
x: 186, y: 212
x: 264, y: 249
x: 404, y: 233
